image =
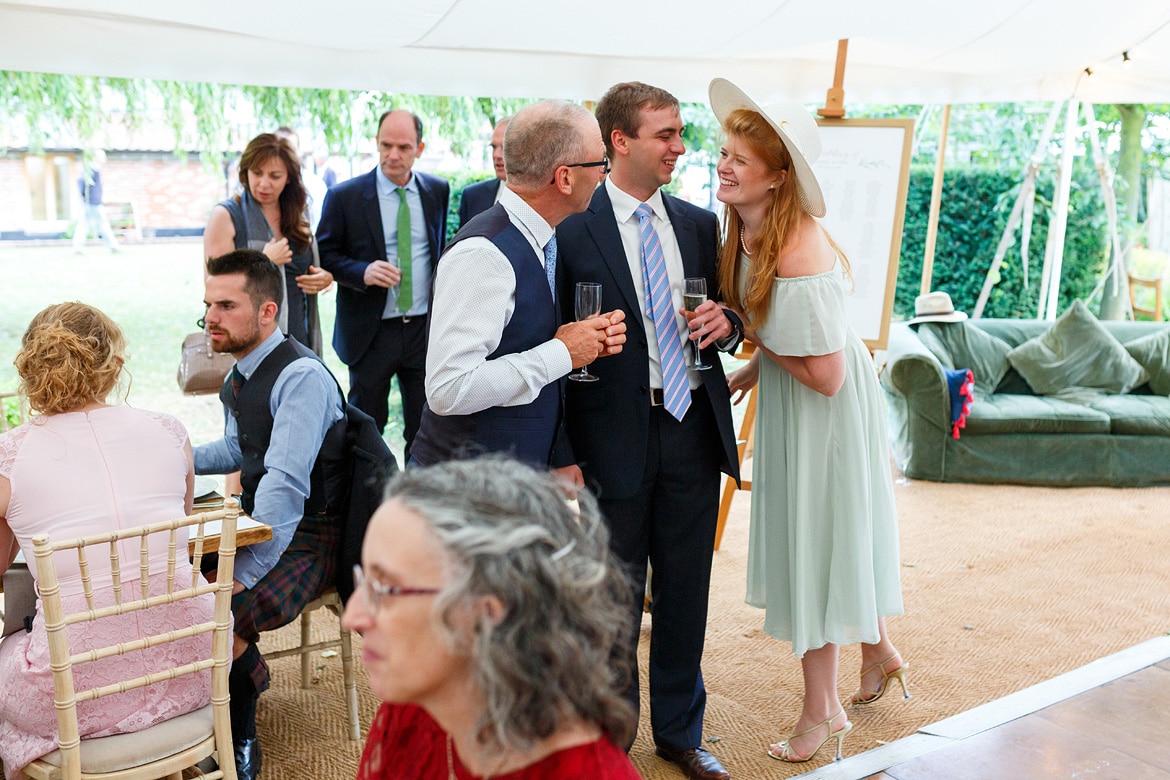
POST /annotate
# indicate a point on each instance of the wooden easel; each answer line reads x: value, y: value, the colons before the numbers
x: 744, y: 445
x: 834, y: 108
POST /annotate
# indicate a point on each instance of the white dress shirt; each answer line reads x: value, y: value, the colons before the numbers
x: 624, y: 205
x: 475, y: 295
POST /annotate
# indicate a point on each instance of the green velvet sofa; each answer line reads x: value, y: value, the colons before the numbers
x: 1014, y: 435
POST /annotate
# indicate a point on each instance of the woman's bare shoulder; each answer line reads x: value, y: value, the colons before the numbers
x: 809, y: 254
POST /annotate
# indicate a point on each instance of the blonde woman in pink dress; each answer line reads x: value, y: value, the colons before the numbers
x: 83, y: 466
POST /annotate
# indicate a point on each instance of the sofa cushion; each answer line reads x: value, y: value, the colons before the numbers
x: 1013, y: 332
x: 1013, y: 383
x: 1003, y: 414
x: 960, y: 345
x: 1136, y: 415
x: 1075, y: 355
x: 1153, y: 352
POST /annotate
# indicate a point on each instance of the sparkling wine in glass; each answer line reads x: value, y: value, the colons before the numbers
x: 694, y: 296
x: 588, y: 304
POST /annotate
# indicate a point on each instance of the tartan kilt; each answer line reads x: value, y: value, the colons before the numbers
x: 306, y: 569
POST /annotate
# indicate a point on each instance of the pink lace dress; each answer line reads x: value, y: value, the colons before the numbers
x: 84, y: 473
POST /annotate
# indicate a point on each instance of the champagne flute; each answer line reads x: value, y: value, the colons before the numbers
x: 694, y: 296
x: 588, y: 304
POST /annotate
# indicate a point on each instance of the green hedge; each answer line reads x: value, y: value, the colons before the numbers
x: 458, y: 181
x: 976, y: 203
x: 10, y: 411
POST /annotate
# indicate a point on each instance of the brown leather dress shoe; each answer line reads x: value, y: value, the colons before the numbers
x: 696, y: 762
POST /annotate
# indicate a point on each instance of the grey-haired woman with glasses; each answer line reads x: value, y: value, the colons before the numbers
x: 490, y: 611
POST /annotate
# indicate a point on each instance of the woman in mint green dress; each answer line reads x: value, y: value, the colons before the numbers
x: 823, y: 550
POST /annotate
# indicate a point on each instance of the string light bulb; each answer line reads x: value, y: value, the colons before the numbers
x: 1126, y: 61
x: 1088, y: 73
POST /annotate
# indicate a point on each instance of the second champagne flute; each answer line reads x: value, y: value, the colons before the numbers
x: 694, y: 296
x: 587, y: 304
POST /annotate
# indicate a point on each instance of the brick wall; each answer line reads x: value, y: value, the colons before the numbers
x: 168, y: 193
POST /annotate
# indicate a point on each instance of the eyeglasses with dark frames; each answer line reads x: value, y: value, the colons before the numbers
x: 375, y: 591
x: 603, y: 163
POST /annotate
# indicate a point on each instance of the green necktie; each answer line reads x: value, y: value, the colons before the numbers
x: 405, y: 294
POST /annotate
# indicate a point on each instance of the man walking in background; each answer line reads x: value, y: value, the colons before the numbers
x: 94, y: 215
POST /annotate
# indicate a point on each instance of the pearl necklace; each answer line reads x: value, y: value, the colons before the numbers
x: 451, y: 763
x: 742, y: 243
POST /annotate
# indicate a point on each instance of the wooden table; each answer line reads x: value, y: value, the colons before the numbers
x: 248, y: 531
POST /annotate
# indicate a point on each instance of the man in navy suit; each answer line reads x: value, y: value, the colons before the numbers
x: 654, y: 460
x: 384, y: 272
x: 481, y: 196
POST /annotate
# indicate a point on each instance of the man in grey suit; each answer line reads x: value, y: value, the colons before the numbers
x: 380, y: 236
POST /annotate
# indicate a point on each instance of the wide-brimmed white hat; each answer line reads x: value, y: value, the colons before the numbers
x: 935, y: 307
x: 796, y: 128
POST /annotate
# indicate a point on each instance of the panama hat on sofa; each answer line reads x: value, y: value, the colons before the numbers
x: 935, y: 307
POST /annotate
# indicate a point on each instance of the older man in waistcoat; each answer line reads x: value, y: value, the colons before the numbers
x: 496, y: 358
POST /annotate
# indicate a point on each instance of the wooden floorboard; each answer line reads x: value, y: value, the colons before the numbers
x: 1105, y: 719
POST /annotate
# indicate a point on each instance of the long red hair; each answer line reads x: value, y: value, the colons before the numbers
x: 781, y: 221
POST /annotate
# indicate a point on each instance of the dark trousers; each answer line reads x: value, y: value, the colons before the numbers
x: 671, y: 521
x: 399, y: 349
x: 305, y: 570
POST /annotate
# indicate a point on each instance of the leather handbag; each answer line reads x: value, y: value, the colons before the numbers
x: 201, y: 369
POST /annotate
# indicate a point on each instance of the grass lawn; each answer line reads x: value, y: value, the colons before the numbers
x: 155, y: 293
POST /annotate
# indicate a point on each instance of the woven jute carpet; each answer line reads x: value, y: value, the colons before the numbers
x: 1004, y: 587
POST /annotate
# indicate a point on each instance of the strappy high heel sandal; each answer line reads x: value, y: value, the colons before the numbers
x: 786, y: 752
x: 862, y: 697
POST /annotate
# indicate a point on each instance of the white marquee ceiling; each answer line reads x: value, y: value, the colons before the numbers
x: 914, y: 51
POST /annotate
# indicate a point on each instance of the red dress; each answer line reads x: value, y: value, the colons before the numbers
x: 406, y: 743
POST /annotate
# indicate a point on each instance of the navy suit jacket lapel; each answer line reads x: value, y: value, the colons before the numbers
x: 687, y: 238
x: 374, y: 213
x: 430, y: 216
x: 603, y: 228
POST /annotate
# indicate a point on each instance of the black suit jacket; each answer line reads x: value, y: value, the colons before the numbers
x: 608, y: 421
x: 477, y: 198
x: 350, y: 237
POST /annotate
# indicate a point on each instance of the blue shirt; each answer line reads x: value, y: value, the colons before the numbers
x: 420, y: 248
x: 304, y: 403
